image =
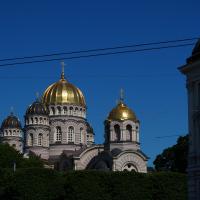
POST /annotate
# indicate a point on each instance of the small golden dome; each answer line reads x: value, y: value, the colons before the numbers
x: 63, y: 92
x: 121, y: 112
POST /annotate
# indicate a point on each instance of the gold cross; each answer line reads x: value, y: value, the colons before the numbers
x: 63, y: 70
x: 121, y: 95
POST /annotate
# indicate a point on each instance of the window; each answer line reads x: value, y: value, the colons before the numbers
x: 53, y: 110
x: 59, y: 110
x: 58, y: 133
x: 71, y: 110
x: 80, y: 136
x: 40, y: 120
x: 117, y: 132
x: 128, y: 133
x: 36, y: 120
x: 30, y: 139
x: 40, y: 138
x: 70, y: 134
x: 76, y: 111
x: 65, y: 110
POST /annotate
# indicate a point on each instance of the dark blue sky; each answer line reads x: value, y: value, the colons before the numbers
x: 153, y: 86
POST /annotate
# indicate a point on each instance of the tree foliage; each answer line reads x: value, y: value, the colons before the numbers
x: 173, y: 158
x: 46, y: 184
x: 9, y: 156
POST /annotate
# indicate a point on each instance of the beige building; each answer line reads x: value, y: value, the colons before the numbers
x: 57, y: 130
x: 192, y: 71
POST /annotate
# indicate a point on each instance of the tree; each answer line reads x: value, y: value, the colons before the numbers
x: 174, y: 158
x: 9, y: 156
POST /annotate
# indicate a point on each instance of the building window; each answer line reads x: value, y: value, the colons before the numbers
x: 59, y: 110
x: 71, y: 110
x: 31, y: 139
x: 128, y: 133
x: 70, y: 134
x: 40, y: 138
x: 40, y: 120
x: 76, y: 111
x: 65, y: 110
x: 117, y: 133
x: 58, y: 133
x: 53, y: 110
x: 81, y: 135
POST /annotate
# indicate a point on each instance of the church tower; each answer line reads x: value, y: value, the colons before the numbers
x: 37, y: 129
x: 122, y: 128
x: 12, y: 132
x: 122, y: 139
x: 192, y: 71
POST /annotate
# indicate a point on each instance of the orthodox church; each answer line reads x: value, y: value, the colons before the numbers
x: 57, y: 130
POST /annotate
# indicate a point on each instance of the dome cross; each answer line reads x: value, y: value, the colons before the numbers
x: 63, y: 70
x: 121, y: 95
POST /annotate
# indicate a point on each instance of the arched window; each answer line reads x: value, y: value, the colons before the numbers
x: 40, y: 138
x: 59, y: 110
x: 128, y: 133
x: 117, y: 133
x: 36, y: 120
x: 30, y: 140
x: 81, y: 135
x: 31, y: 120
x: 65, y: 110
x: 71, y: 110
x: 58, y: 133
x: 53, y: 110
x: 40, y: 120
x: 71, y: 134
x: 76, y: 111
x: 14, y: 132
x: 80, y: 113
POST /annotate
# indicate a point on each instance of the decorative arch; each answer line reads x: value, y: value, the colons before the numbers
x: 136, y: 160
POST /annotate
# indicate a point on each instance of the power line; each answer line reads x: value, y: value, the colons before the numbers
x: 97, y: 54
x: 101, y: 49
x: 168, y: 136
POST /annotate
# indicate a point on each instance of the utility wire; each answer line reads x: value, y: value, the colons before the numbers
x: 100, y: 49
x: 97, y: 54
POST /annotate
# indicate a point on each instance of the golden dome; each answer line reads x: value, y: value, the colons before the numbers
x: 121, y: 112
x: 63, y: 92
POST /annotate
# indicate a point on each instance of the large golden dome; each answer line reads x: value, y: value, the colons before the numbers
x: 121, y: 112
x: 63, y: 92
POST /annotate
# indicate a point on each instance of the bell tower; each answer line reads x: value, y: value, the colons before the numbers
x: 121, y: 127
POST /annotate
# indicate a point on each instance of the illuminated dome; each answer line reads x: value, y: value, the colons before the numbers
x: 121, y: 112
x: 63, y: 92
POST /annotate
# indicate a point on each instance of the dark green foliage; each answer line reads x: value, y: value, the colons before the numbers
x: 124, y: 185
x: 37, y: 184
x: 43, y: 184
x: 8, y: 155
x: 173, y: 158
